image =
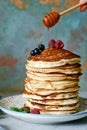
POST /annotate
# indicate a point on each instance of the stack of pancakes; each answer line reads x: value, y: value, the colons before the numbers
x: 52, y: 81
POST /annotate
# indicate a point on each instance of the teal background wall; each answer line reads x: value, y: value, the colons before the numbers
x: 21, y: 29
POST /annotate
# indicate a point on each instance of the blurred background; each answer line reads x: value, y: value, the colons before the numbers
x: 21, y: 29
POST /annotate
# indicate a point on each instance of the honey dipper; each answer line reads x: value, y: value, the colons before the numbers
x: 51, y: 18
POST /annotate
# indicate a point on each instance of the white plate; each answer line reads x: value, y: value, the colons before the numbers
x: 18, y: 101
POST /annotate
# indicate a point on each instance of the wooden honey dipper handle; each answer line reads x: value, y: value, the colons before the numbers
x: 72, y: 8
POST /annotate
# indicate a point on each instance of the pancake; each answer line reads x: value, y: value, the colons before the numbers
x: 52, y: 76
x: 56, y: 101
x: 52, y: 81
x: 53, y: 57
x: 28, y: 95
x: 52, y: 107
x: 45, y: 91
x: 58, y: 111
x: 51, y: 85
x: 65, y: 69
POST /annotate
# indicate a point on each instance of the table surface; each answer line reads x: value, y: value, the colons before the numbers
x: 11, y: 123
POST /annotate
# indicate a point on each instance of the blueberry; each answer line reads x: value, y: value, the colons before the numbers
x: 41, y: 47
x: 32, y: 52
x: 36, y: 51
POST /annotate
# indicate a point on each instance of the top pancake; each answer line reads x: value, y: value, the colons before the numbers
x: 52, y: 57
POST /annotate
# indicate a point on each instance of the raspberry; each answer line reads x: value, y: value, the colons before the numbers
x: 35, y: 111
x: 25, y: 106
x: 59, y: 44
x: 51, y: 43
x: 25, y: 109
